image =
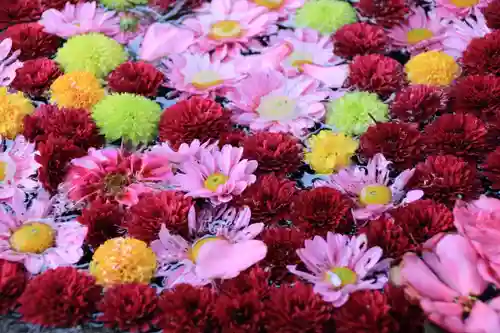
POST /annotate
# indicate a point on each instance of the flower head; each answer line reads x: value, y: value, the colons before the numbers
x: 9, y: 63
x: 492, y: 14
x: 136, y: 78
x: 164, y: 39
x: 326, y: 16
x: 12, y: 284
x: 478, y: 95
x: 458, y: 8
x: 359, y: 38
x: 434, y: 68
x: 31, y: 40
x: 76, y: 90
x: 479, y: 56
x: 13, y: 108
x: 19, y: 12
x: 36, y: 76
x: 387, y: 13
x: 419, y: 103
x: 243, y: 312
x: 103, y: 221
x: 491, y: 168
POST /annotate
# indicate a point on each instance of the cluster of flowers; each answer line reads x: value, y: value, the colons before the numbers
x: 318, y: 166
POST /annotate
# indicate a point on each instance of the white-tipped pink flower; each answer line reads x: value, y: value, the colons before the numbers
x: 372, y: 188
x: 8, y: 62
x: 458, y: 8
x: 269, y: 101
x: 218, y: 175
x: 163, y: 39
x: 340, y: 265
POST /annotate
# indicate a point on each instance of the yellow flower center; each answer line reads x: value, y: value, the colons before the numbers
x: 297, y: 59
x: 464, y: 3
x: 432, y: 68
x: 195, y: 249
x: 375, y: 195
x: 33, y: 237
x: 341, y: 276
x: 415, y: 36
x: 3, y: 170
x: 215, y: 180
x: 225, y: 30
x: 206, y: 79
x: 276, y: 107
x: 270, y: 4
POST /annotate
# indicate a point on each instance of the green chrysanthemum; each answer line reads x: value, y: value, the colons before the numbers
x: 94, y: 53
x: 130, y: 117
x: 354, y: 112
x: 326, y: 16
x: 122, y: 4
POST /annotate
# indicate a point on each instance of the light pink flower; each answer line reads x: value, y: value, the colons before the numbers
x: 8, y: 63
x: 458, y: 8
x: 372, y: 188
x: 165, y: 154
x: 130, y: 26
x: 110, y: 174
x: 163, y: 39
x: 35, y: 239
x: 340, y: 265
x: 82, y: 18
x: 269, y: 101
x: 282, y: 7
x: 17, y: 166
x: 218, y: 175
x: 446, y: 281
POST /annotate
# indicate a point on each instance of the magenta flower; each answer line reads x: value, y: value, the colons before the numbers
x: 8, y: 62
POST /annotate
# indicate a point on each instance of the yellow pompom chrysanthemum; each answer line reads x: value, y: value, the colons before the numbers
x: 433, y: 68
x: 13, y: 108
x: 76, y: 90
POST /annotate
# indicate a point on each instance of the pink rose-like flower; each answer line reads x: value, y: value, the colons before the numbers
x: 8, y: 62
x: 218, y: 175
x: 341, y: 265
x: 163, y: 39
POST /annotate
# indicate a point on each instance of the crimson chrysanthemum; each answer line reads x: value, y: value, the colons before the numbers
x: 130, y: 307
x: 269, y: 199
x: 481, y: 55
x: 143, y: 220
x: 234, y: 137
x: 195, y: 118
x: 57, y: 4
x: 61, y: 297
x: 31, y: 40
x: 400, y: 143
x: 446, y: 179
x: 387, y: 13
x: 297, y: 309
x: 477, y: 94
x: 103, y: 221
x: 275, y: 152
x: 461, y: 135
x: 136, y: 78
x: 36, y: 76
x: 165, y: 5
x: 187, y: 309
x: 389, y: 236
x: 19, y: 11
x: 13, y: 278
x: 359, y: 38
x: 419, y: 103
x: 253, y: 279
x: 320, y: 210
x: 376, y: 73
x: 492, y: 14
x: 491, y: 168
x: 240, y: 313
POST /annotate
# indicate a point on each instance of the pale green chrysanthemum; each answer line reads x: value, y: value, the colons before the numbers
x: 354, y: 112
x: 93, y: 53
x: 131, y: 117
x: 122, y: 4
x: 326, y: 16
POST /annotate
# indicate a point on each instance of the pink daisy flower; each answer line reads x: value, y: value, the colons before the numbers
x: 228, y: 249
x: 130, y: 26
x: 17, y: 166
x: 163, y: 39
x: 372, y: 188
x: 269, y: 101
x: 110, y: 174
x: 340, y: 265
x: 82, y: 18
x: 282, y: 7
x: 32, y: 237
x: 228, y: 26
x: 8, y: 62
x: 218, y: 175
x: 163, y: 153
x: 458, y: 8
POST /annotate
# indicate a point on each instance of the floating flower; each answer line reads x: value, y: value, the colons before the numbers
x: 478, y: 58
x: 419, y: 103
x: 8, y: 63
x: 32, y: 237
x: 478, y: 95
x: 242, y: 312
x: 218, y: 175
x: 369, y: 187
x: 359, y: 38
x: 130, y: 26
x: 164, y: 154
x: 36, y: 76
x: 12, y: 284
x: 76, y: 90
x: 136, y: 78
x: 491, y: 168
x: 163, y: 39
x: 340, y: 265
x: 268, y: 101
x: 13, y: 108
x: 387, y: 13
x: 31, y: 41
x: 434, y: 68
x: 123, y: 260
x: 103, y: 221
x: 491, y: 14
x: 325, y: 16
x: 20, y: 11
x: 458, y: 8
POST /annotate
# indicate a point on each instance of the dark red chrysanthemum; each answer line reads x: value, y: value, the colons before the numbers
x: 389, y: 236
x: 136, y: 78
x: 446, y: 179
x: 61, y: 297
x: 386, y: 311
x: 54, y: 155
x: 19, y: 11
x: 269, y: 199
x: 419, y: 103
x: 491, y: 168
x: 166, y: 5
x: 36, y: 76
x: 130, y: 307
x: 359, y: 38
x: 13, y: 278
x: 187, y: 309
x: 400, y: 143
x: 387, y: 13
x: 477, y: 94
x: 31, y: 40
x: 143, y: 220
x: 275, y: 152
x: 253, y: 279
x: 492, y: 14
x: 320, y: 210
x: 195, y: 118
x: 57, y: 4
x: 240, y: 313
x: 103, y: 221
x: 376, y: 73
x: 234, y: 137
x: 481, y: 55
x: 76, y: 125
x: 282, y: 244
x: 297, y: 309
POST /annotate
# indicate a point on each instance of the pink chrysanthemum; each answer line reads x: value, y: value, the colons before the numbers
x: 164, y: 153
x: 218, y: 175
x: 369, y: 187
x: 340, y: 265
x: 269, y: 101
x: 8, y: 62
x: 458, y: 8
x: 32, y: 237
x: 130, y: 26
